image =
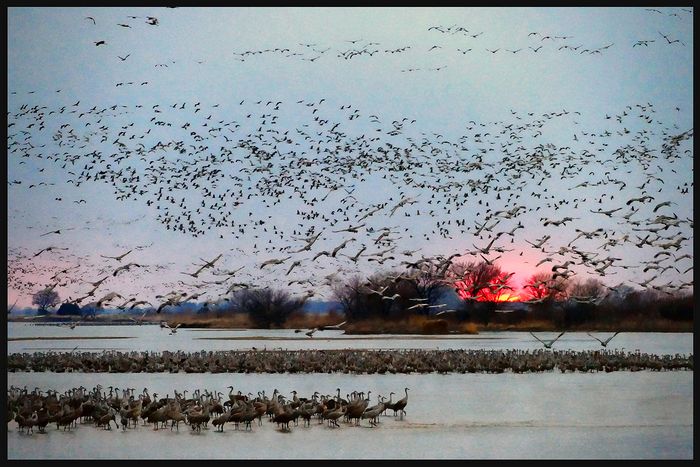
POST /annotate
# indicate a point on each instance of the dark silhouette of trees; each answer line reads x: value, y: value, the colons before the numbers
x: 545, y: 295
x: 385, y: 295
x: 428, y: 284
x: 45, y: 299
x: 583, y: 298
x: 591, y: 289
x: 480, y: 285
x: 351, y: 298
x: 541, y: 286
x: 266, y: 307
x: 68, y: 309
x: 472, y: 280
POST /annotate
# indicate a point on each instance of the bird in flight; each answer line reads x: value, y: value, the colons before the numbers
x: 549, y: 342
x: 332, y: 326
x: 669, y: 40
x: 50, y: 248
x: 123, y: 58
x: 125, y: 268
x: 118, y: 258
x: 91, y: 19
x: 140, y: 302
x: 604, y: 343
x: 165, y: 325
x: 55, y: 232
x: 139, y: 320
x: 273, y: 261
x: 99, y: 43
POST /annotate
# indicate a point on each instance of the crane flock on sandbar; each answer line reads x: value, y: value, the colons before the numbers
x: 77, y: 407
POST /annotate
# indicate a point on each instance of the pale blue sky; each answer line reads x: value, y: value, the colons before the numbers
x: 53, y: 48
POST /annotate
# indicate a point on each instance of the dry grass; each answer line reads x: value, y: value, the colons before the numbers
x: 192, y: 320
x: 534, y: 325
x: 468, y: 328
x: 309, y: 321
x: 412, y: 325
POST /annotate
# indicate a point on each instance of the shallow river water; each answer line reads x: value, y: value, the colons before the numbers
x: 618, y: 415
x: 153, y: 338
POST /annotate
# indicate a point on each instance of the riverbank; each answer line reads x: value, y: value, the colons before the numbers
x: 411, y: 325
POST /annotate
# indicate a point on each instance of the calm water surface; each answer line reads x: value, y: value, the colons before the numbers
x: 619, y: 415
x: 539, y: 415
x: 153, y: 338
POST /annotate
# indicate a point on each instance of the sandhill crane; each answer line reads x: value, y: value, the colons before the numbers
x: 539, y: 241
x: 309, y: 242
x: 332, y: 326
x: 372, y: 413
x: 332, y: 415
x: 660, y: 205
x: 139, y: 320
x: 125, y: 268
x: 118, y: 258
x: 108, y: 297
x: 172, y: 330
x: 273, y: 261
x: 400, y: 405
x: 548, y: 343
x: 604, y: 343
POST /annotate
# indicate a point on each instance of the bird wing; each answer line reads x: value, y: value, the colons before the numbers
x: 610, y: 338
x: 594, y: 337
x: 536, y: 337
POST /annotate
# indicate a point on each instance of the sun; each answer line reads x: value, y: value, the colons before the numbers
x: 507, y: 297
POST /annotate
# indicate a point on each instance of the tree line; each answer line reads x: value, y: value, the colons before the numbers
x: 461, y: 291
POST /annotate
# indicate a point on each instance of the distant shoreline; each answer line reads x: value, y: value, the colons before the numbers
x: 398, y: 327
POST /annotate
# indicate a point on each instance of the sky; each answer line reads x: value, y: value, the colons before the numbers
x: 270, y: 125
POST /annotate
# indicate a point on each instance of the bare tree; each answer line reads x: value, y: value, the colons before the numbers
x: 472, y: 280
x: 541, y: 287
x: 479, y: 285
x: 44, y: 299
x: 351, y: 297
x: 429, y: 283
x: 591, y: 290
x: 266, y: 307
x: 384, y: 295
x: 583, y: 298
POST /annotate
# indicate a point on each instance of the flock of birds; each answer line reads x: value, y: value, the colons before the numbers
x: 347, y: 361
x: 235, y: 184
x: 461, y: 41
x: 40, y: 408
x: 320, y: 190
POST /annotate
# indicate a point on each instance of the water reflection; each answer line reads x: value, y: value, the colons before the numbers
x: 543, y: 415
x: 152, y: 338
